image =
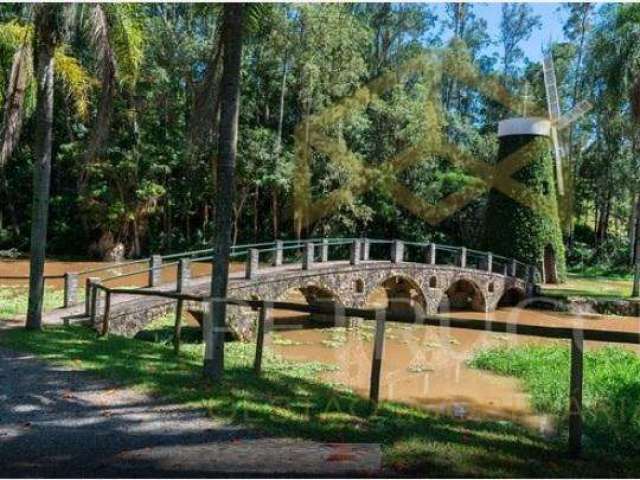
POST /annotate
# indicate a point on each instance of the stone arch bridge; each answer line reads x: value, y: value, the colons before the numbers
x: 356, y: 273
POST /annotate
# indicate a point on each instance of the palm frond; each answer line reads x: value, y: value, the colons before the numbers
x: 77, y: 81
x: 203, y: 118
x: 99, y: 36
x: 17, y: 84
x: 14, y: 35
x: 126, y: 36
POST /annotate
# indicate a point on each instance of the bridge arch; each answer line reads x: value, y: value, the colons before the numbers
x: 511, y: 297
x: 310, y: 294
x: 463, y: 293
x: 397, y: 292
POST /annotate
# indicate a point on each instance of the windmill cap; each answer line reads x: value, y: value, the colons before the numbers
x: 524, y: 126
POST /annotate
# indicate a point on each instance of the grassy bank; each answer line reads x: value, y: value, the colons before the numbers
x: 611, y: 397
x: 13, y: 300
x: 595, y: 284
x: 289, y: 400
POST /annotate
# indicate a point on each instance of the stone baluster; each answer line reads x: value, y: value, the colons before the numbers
x: 431, y: 255
x: 307, y: 256
x: 397, y: 251
x: 155, y: 272
x: 279, y: 253
x: 253, y: 264
x: 463, y: 257
x: 514, y: 267
x: 489, y: 262
x: 355, y: 252
x: 366, y: 247
x: 183, y: 276
x: 324, y: 250
x: 70, y: 289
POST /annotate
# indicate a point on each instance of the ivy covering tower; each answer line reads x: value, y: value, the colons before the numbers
x: 524, y: 223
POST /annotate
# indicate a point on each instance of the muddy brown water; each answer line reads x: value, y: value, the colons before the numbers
x: 20, y: 267
x: 427, y: 366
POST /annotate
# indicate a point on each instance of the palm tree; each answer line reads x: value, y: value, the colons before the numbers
x: 117, y: 38
x: 47, y: 37
x: 20, y: 85
x: 232, y: 36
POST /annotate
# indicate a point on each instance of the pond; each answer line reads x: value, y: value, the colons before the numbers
x: 427, y: 366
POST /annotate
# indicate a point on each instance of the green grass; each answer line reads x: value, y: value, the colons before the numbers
x: 596, y: 286
x: 13, y: 300
x: 288, y: 399
x: 611, y: 396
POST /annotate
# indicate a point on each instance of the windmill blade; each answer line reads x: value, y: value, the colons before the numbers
x: 578, y: 111
x: 551, y: 88
x: 557, y: 153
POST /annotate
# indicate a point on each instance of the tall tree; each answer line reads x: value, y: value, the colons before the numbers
x: 517, y: 24
x: 623, y: 78
x: 232, y: 37
x: 47, y: 36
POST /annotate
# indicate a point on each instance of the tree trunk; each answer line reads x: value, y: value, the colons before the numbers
x: 636, y: 249
x: 633, y: 221
x: 232, y: 25
x: 278, y: 149
x: 274, y: 208
x: 45, y: 43
x: 256, y: 221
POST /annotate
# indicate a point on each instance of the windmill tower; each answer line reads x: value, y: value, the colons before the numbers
x: 526, y: 224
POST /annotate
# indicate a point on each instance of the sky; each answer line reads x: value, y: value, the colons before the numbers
x: 551, y: 30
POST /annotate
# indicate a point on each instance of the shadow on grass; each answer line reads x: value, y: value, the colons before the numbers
x: 287, y: 400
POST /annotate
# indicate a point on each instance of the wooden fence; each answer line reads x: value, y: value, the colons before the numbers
x: 577, y: 337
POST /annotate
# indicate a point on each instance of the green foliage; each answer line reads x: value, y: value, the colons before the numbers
x: 150, y: 184
x: 519, y: 229
x: 611, y: 388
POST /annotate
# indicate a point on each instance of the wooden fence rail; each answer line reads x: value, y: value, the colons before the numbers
x: 577, y: 336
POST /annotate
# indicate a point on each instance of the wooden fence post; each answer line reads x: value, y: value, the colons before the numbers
x: 182, y: 278
x: 95, y: 302
x: 87, y: 294
x: 376, y: 363
x: 107, y: 311
x: 575, y: 394
x: 262, y: 319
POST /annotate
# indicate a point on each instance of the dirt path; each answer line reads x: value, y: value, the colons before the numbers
x: 64, y: 423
